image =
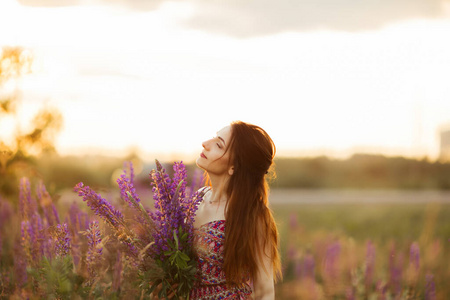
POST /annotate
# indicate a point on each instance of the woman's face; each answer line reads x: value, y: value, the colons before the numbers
x: 214, y: 158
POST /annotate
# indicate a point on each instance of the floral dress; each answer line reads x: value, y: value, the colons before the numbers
x: 211, y: 285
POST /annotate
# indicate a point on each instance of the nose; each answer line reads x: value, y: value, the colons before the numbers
x: 206, y: 144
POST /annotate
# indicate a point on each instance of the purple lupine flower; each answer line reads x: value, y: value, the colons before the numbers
x: 40, y: 241
x: 395, y: 271
x: 163, y: 204
x: 381, y: 290
x: 110, y: 214
x: 77, y: 219
x: 27, y: 204
x: 20, y: 265
x: 190, y: 207
x: 414, y: 256
x: 197, y: 179
x: 173, y: 209
x: 291, y: 252
x: 370, y: 264
x: 130, y: 172
x: 126, y: 185
x: 49, y: 209
x: 430, y: 287
x: 100, y: 206
x: 62, y: 240
x: 350, y: 293
x: 94, y: 238
x: 331, y: 259
x: 33, y: 238
x: 26, y: 240
x: 179, y: 175
x: 309, y: 266
x: 94, y: 247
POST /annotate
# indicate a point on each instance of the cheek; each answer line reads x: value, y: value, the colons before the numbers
x: 218, y: 166
x: 223, y: 162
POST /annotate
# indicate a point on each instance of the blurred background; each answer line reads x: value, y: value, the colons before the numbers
x: 354, y: 94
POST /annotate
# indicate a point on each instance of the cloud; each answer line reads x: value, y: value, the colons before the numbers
x: 264, y: 17
x: 140, y: 5
x: 50, y: 3
x: 252, y: 18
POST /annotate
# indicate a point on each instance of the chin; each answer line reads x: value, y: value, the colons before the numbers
x: 199, y: 163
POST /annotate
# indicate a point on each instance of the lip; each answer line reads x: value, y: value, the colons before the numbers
x: 202, y: 155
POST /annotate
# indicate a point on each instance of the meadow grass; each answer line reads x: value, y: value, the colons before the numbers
x: 329, y: 251
x: 392, y: 230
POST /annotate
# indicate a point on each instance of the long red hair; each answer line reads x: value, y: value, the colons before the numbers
x: 250, y: 231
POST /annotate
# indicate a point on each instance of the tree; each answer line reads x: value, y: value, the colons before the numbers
x: 17, y: 152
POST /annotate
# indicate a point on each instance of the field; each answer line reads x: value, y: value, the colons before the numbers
x: 332, y: 248
x: 364, y: 251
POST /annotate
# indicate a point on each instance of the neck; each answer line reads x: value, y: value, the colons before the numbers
x: 218, y: 184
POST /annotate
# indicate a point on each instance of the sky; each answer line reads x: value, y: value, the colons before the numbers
x: 159, y: 77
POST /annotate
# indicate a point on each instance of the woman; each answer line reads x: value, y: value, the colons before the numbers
x: 236, y: 236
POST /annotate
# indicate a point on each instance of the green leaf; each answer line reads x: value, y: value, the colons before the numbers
x: 184, y: 256
x: 172, y: 258
x: 181, y: 263
x: 171, y: 244
x: 175, y: 238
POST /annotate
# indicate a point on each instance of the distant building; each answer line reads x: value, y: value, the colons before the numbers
x: 444, y: 154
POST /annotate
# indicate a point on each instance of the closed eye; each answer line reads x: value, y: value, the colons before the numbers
x: 218, y: 144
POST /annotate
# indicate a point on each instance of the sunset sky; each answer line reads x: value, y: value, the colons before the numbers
x: 162, y: 76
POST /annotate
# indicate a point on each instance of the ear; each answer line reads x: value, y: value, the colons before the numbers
x: 231, y: 171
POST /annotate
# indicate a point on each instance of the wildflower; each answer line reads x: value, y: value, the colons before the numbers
x: 100, y: 206
x: 49, y: 209
x: 414, y: 256
x: 27, y: 204
x: 381, y: 289
x: 173, y: 210
x: 395, y: 270
x: 179, y: 176
x: 197, y: 179
x: 308, y: 266
x: 94, y: 247
x: 430, y: 287
x: 350, y: 293
x: 331, y: 259
x: 370, y: 263
x: 27, y: 236
x: 126, y: 186
x: 174, y: 216
x: 62, y: 245
x: 20, y: 264
x: 77, y: 219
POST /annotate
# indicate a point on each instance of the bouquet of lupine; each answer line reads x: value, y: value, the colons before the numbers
x: 158, y: 243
